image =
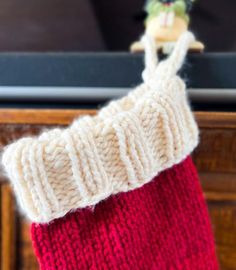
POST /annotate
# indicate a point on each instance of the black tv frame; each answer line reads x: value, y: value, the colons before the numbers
x: 210, y: 76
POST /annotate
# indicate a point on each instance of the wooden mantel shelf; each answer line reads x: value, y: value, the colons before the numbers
x: 65, y: 117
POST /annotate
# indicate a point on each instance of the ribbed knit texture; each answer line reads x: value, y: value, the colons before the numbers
x: 162, y: 226
x: 120, y: 149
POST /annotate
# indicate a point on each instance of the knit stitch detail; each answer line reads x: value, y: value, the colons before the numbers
x: 163, y: 225
x: 120, y: 149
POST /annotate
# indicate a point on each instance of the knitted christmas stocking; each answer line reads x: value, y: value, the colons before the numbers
x: 119, y: 190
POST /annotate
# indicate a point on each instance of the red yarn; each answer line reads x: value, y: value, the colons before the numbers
x: 163, y: 225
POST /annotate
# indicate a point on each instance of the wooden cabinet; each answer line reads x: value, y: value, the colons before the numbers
x: 215, y: 159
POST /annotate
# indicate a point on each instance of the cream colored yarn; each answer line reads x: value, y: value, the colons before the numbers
x: 121, y: 148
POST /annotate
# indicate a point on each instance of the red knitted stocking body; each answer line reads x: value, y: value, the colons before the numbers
x: 162, y: 225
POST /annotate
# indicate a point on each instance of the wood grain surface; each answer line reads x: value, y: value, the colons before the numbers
x: 215, y: 159
x: 8, y: 229
x: 65, y: 116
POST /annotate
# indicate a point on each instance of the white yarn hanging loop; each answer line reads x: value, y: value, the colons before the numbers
x: 151, y: 57
x: 174, y: 62
x: 153, y: 73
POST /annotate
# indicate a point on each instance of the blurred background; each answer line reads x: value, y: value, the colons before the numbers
x: 101, y: 25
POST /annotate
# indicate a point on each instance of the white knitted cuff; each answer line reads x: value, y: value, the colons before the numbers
x: 120, y: 149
